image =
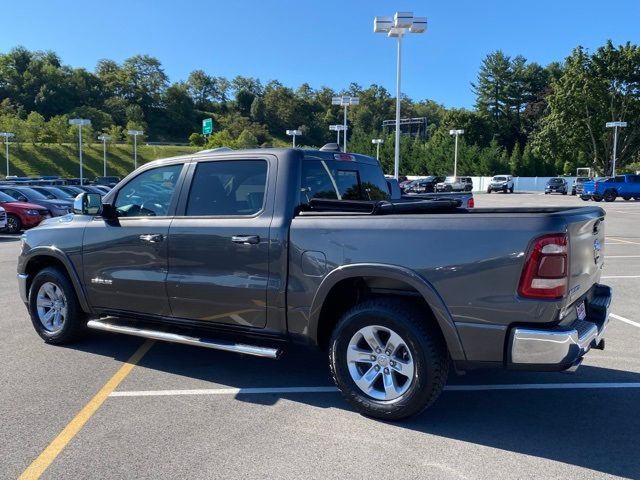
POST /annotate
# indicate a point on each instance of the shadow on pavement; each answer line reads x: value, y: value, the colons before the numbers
x: 591, y: 428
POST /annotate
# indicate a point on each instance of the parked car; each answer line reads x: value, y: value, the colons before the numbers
x: 26, y: 194
x: 625, y: 186
x: 103, y: 188
x: 72, y: 190
x: 556, y: 185
x: 223, y: 250
x: 578, y: 184
x: 425, y: 185
x: 90, y: 189
x: 501, y: 183
x: 21, y: 215
x: 406, y: 185
x: 108, y: 181
x: 53, y: 193
x: 3, y: 218
x: 455, y: 184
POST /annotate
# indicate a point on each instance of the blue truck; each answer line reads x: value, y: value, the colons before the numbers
x: 608, y: 189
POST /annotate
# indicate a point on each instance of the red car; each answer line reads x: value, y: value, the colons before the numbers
x: 20, y: 215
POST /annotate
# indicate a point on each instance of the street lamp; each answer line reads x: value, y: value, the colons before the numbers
x: 377, y: 142
x: 104, y: 139
x: 80, y: 122
x: 294, y: 133
x: 615, y: 126
x: 457, y: 133
x: 396, y: 27
x: 345, y: 101
x: 338, y: 129
x: 135, y: 134
x: 7, y: 136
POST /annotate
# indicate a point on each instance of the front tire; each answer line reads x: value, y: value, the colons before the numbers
x: 596, y: 198
x: 388, y: 359
x: 609, y: 196
x: 54, y: 308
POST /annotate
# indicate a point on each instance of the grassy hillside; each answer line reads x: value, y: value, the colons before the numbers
x: 49, y: 159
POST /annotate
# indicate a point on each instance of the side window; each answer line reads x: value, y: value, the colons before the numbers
x: 228, y: 188
x: 619, y: 179
x: 149, y: 194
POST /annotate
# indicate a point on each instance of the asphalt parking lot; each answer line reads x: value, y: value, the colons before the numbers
x: 194, y: 413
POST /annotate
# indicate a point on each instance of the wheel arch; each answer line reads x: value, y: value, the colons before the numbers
x: 43, y: 257
x: 340, y: 284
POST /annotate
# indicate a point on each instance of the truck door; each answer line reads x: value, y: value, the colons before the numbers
x: 125, y: 260
x: 219, y: 244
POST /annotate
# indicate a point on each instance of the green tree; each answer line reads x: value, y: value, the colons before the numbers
x: 34, y: 130
x: 247, y: 140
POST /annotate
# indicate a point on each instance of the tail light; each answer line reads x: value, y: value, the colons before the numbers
x: 471, y: 203
x: 545, y: 272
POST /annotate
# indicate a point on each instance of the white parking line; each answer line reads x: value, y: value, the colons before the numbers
x: 618, y: 239
x: 625, y: 320
x: 620, y: 276
x: 622, y: 256
x: 452, y: 388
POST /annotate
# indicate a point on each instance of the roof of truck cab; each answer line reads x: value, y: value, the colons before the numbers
x: 286, y: 154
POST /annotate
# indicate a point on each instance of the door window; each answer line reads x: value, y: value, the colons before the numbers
x: 149, y: 194
x: 228, y: 188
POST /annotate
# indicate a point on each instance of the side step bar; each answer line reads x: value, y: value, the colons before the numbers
x: 254, y: 350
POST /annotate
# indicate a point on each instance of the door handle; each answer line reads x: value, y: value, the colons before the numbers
x: 246, y: 239
x: 152, y: 237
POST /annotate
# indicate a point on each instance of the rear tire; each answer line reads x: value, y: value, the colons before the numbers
x: 626, y: 198
x: 14, y: 225
x: 596, y: 198
x: 511, y: 190
x: 54, y: 308
x: 419, y: 351
x: 489, y: 191
x: 609, y: 196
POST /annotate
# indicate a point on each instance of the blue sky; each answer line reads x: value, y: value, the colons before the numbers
x: 320, y: 42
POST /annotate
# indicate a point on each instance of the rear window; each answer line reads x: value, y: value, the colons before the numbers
x: 341, y: 180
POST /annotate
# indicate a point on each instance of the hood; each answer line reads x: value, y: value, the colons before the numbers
x: 23, y: 205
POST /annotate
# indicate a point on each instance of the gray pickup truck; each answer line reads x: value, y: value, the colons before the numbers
x: 247, y: 251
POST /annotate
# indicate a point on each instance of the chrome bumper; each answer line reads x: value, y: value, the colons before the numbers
x: 561, y: 347
x: 22, y: 287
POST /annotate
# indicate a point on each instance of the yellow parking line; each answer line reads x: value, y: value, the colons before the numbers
x: 40, y: 464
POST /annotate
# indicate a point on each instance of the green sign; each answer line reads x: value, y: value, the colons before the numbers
x: 207, y: 126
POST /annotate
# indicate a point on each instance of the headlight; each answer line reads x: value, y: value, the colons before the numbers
x: 33, y: 212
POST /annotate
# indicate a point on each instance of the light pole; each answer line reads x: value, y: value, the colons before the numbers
x: 135, y: 134
x: 294, y: 133
x: 104, y: 139
x: 345, y: 101
x: 338, y: 129
x: 7, y: 136
x: 377, y: 142
x: 80, y: 122
x: 397, y: 27
x: 615, y: 126
x: 456, y: 133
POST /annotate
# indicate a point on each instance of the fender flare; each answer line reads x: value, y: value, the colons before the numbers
x: 53, y: 252
x: 426, y: 290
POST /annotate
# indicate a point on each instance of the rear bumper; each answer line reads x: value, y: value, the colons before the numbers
x: 559, y: 348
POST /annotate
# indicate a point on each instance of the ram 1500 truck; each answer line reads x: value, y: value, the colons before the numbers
x: 247, y: 251
x: 608, y: 189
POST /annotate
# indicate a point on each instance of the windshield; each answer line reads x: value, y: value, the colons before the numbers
x: 45, y: 192
x: 35, y: 195
x: 499, y: 179
x: 341, y: 180
x: 59, y: 193
x: 555, y: 181
x: 4, y: 198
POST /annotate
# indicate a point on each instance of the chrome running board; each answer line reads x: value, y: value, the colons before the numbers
x: 107, y: 326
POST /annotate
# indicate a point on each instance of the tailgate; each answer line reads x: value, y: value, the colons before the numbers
x: 586, y: 251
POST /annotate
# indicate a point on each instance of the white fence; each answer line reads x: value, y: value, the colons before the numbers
x: 521, y: 184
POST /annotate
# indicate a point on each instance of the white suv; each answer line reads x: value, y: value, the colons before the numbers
x: 455, y: 184
x: 501, y: 183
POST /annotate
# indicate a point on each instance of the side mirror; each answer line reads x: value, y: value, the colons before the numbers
x: 87, y: 204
